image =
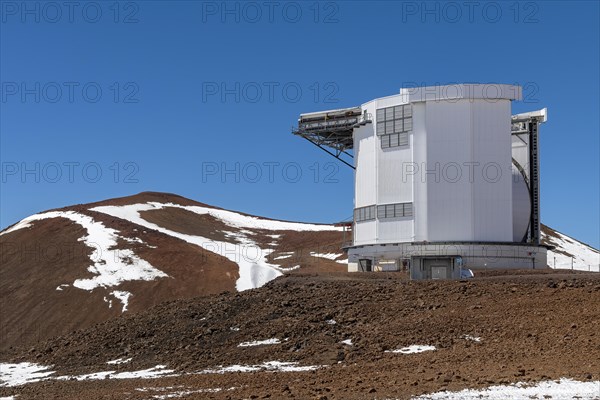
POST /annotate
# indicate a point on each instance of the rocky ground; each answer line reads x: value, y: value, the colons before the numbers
x: 494, y: 329
x: 37, y: 261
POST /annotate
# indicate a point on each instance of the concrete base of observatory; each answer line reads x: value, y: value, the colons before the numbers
x: 415, y: 257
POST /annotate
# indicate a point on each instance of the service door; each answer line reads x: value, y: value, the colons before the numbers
x: 439, y: 272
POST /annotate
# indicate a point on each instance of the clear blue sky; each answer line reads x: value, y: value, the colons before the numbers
x: 167, y: 93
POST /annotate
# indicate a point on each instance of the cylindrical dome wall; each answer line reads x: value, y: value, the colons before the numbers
x: 434, y: 166
x: 521, y: 205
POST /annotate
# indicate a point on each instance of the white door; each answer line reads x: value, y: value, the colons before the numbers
x: 439, y: 272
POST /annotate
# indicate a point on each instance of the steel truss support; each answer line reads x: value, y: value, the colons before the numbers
x: 337, y: 153
x: 534, y: 182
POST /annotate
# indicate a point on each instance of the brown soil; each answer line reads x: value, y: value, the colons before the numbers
x: 36, y: 260
x: 146, y: 197
x: 482, y: 273
x: 534, y: 324
x: 301, y: 245
x: 188, y: 222
x: 532, y: 327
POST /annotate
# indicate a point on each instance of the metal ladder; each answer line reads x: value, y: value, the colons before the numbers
x: 534, y: 179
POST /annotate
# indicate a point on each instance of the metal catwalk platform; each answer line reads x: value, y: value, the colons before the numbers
x: 332, y: 130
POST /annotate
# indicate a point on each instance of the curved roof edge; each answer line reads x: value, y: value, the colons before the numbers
x: 470, y: 91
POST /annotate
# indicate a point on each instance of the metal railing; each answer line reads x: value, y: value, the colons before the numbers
x: 342, y: 123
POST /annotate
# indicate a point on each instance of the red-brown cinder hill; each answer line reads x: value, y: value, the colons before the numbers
x: 53, y: 280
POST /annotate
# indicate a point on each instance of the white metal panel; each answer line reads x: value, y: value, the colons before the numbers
x: 395, y: 185
x: 520, y: 152
x: 392, y: 186
x: 541, y: 115
x: 468, y: 91
x: 365, y: 232
x: 364, y: 160
x: 395, y: 230
x: 521, y: 205
x: 449, y: 193
x: 419, y: 157
x: 389, y: 101
x: 492, y: 187
x: 365, y: 154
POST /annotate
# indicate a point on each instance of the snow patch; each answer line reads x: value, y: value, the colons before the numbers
x: 132, y: 240
x: 254, y: 270
x: 109, y: 301
x: 154, y: 372
x: 184, y: 393
x: 331, y: 322
x: 557, y: 390
x: 347, y: 342
x: 123, y: 297
x: 110, y: 267
x: 259, y: 342
x: 231, y: 218
x: 412, y: 349
x: 472, y: 338
x: 584, y: 257
x: 60, y: 287
x: 119, y: 361
x: 22, y: 373
x: 329, y: 256
x: 288, y: 269
x: 268, y: 366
